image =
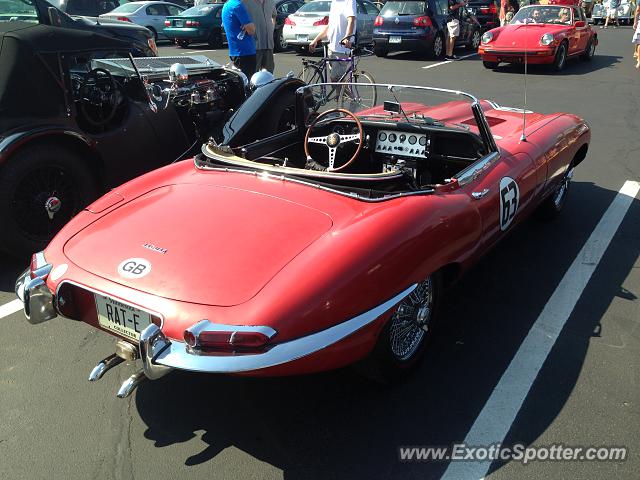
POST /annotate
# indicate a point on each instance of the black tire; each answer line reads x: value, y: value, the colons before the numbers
x: 561, y: 57
x: 436, y: 50
x: 392, y: 358
x: 279, y: 45
x: 551, y: 207
x: 215, y: 39
x: 490, y: 65
x: 33, y: 177
x: 475, y: 41
x: 589, y: 52
x: 380, y: 52
x: 183, y: 43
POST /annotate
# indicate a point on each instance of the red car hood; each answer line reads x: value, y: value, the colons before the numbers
x: 517, y: 36
x: 179, y: 229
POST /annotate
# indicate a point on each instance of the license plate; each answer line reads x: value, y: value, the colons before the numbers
x: 120, y: 318
x: 302, y: 38
x: 395, y: 39
x: 179, y: 23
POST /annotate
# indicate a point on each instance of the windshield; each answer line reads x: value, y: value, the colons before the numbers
x: 419, y: 106
x: 391, y: 9
x: 14, y: 10
x: 126, y: 8
x: 315, y: 7
x: 543, y: 14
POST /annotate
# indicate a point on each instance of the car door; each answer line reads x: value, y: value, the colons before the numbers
x: 501, y: 188
x: 156, y: 14
x: 584, y: 32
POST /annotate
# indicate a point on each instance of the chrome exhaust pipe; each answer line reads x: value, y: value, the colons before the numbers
x: 130, y: 384
x: 102, y: 367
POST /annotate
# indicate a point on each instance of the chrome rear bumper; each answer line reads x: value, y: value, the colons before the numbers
x: 36, y: 296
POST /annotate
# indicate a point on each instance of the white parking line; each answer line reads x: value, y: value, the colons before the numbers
x: 507, y: 398
x: 9, y: 308
x: 449, y: 61
x: 199, y: 51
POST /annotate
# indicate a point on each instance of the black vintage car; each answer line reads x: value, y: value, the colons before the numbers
x: 78, y: 117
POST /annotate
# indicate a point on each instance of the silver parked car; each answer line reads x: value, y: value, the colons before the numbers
x: 148, y: 14
x: 301, y: 27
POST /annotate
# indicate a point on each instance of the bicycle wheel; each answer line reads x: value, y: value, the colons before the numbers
x: 357, y: 95
x: 311, y: 74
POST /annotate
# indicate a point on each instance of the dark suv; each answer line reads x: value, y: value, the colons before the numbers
x: 486, y: 12
x: 420, y: 25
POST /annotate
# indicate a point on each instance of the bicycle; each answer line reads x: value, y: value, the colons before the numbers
x: 316, y: 72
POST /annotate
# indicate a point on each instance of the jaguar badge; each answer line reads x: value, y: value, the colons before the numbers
x: 333, y: 140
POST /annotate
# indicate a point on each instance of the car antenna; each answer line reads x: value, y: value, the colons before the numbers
x: 523, y: 137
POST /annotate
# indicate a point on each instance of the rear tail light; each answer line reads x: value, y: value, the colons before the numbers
x: 379, y: 21
x: 39, y: 266
x: 167, y: 23
x: 492, y: 9
x: 192, y: 23
x: 152, y: 45
x: 288, y: 21
x: 208, y: 336
x: 123, y: 19
x: 324, y: 21
x: 423, y: 21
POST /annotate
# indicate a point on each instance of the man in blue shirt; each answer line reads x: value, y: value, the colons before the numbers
x: 240, y: 31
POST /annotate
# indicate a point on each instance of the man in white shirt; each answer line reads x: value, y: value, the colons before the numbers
x: 339, y: 31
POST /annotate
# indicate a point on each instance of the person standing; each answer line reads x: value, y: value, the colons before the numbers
x: 453, y: 27
x: 339, y: 32
x: 612, y: 13
x: 636, y: 35
x: 263, y: 14
x: 504, y: 9
x: 240, y: 30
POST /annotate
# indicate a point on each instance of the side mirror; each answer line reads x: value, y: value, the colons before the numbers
x: 580, y: 24
x: 54, y: 17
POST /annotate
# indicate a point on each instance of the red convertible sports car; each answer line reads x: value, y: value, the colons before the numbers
x: 327, y: 243
x: 543, y: 34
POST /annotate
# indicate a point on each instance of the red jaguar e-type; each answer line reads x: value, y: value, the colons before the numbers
x: 540, y: 34
x: 324, y: 244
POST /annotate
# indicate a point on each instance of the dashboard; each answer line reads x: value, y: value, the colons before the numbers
x: 402, y: 144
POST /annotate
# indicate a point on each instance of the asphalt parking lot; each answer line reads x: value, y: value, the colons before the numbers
x: 575, y: 278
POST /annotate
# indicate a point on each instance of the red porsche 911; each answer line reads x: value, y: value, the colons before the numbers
x: 540, y: 34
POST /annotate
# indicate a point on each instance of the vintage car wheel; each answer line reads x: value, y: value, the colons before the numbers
x: 279, y: 42
x: 41, y: 188
x: 404, y: 338
x: 215, y: 39
x: 437, y: 47
x: 561, y: 57
x: 590, y: 51
x: 490, y: 65
x: 380, y: 52
x: 552, y: 206
x: 475, y: 40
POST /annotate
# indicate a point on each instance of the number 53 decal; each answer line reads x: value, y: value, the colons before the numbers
x: 509, y: 200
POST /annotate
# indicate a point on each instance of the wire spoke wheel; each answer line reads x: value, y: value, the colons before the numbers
x: 411, y: 321
x: 358, y: 94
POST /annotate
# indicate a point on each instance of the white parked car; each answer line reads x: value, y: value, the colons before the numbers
x: 148, y: 14
x: 301, y: 27
x: 625, y: 12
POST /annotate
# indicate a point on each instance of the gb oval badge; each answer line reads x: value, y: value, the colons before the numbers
x: 134, y: 268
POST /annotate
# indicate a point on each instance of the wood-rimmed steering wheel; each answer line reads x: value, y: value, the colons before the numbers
x: 334, y: 140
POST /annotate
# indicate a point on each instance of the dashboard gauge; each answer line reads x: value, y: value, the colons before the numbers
x: 392, y: 137
x: 403, y: 137
x: 382, y: 137
x: 423, y: 141
x: 412, y: 139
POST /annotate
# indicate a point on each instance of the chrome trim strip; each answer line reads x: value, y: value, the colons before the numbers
x: 175, y: 354
x: 283, y: 178
x: 473, y: 171
x: 93, y: 290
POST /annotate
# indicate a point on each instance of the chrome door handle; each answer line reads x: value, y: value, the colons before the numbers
x: 479, y: 195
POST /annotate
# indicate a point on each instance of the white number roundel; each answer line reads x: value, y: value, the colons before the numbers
x: 134, y: 268
x: 509, y: 201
